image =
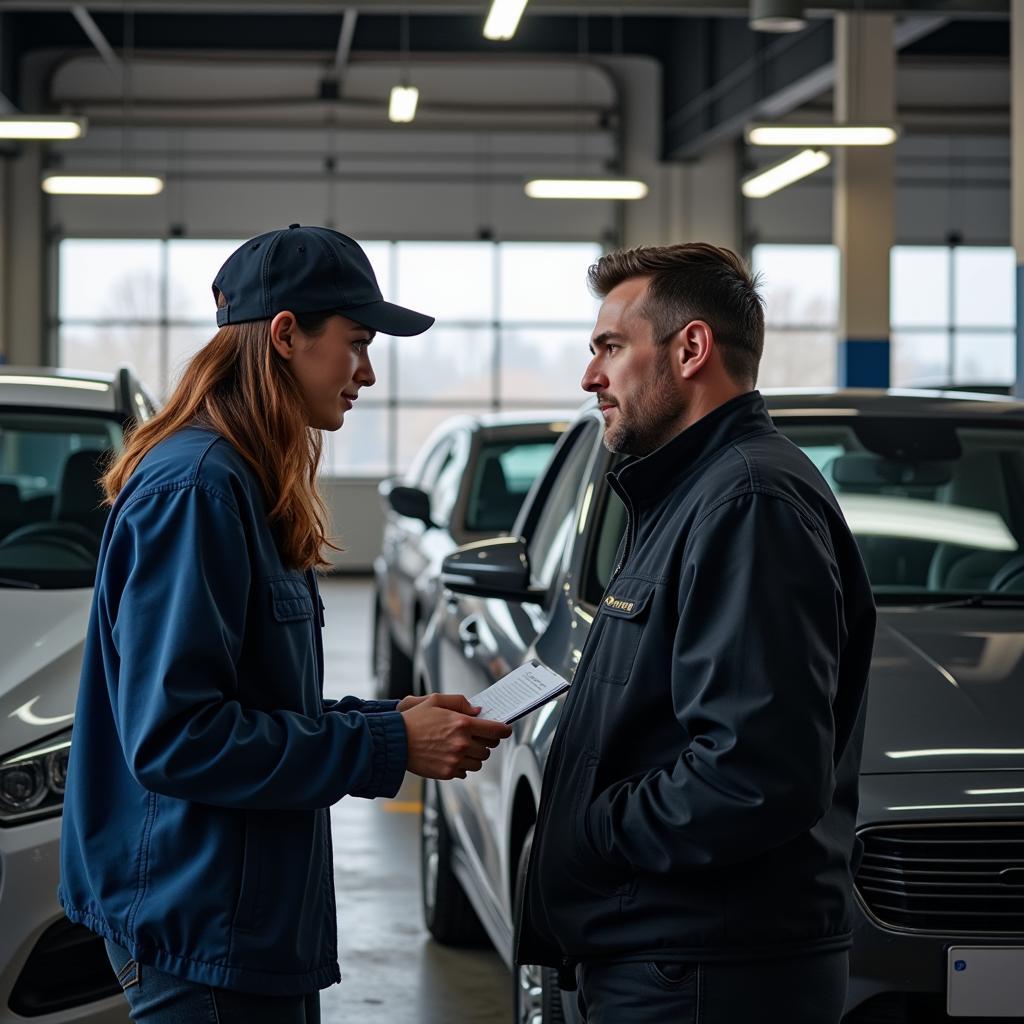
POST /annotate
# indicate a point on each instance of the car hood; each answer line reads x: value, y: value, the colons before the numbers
x: 946, y: 691
x: 42, y: 633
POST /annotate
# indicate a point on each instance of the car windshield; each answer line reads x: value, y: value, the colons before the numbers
x: 937, y: 507
x: 51, y: 516
x: 503, y: 474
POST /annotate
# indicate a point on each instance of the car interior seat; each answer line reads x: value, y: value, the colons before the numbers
x: 12, y: 513
x: 78, y: 515
x: 496, y: 505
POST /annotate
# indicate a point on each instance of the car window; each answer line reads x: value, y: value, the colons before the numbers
x: 51, y: 511
x: 446, y: 488
x: 609, y: 526
x: 936, y: 507
x: 503, y: 474
x: 426, y: 475
x: 548, y: 538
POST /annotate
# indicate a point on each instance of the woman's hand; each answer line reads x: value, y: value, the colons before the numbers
x: 445, y: 738
x: 409, y: 702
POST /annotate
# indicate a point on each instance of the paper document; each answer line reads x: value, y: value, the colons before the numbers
x: 523, y: 690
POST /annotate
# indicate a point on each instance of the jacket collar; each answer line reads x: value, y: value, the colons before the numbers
x: 650, y: 477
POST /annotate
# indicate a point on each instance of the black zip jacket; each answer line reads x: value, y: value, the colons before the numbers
x: 700, y: 794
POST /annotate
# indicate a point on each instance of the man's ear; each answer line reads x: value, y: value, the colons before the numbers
x: 282, y: 334
x: 696, y: 343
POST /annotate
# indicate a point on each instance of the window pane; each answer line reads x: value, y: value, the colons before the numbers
x: 360, y: 447
x: 988, y: 358
x: 920, y: 359
x: 800, y: 283
x: 447, y: 362
x: 543, y: 364
x: 109, y: 278
x: 447, y: 280
x: 547, y: 281
x: 798, y: 359
x: 379, y: 255
x: 107, y: 348
x: 416, y: 425
x: 919, y: 286
x: 985, y: 287
x: 192, y: 264
x: 183, y: 344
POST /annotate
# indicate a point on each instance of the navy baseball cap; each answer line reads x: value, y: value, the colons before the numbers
x: 308, y: 270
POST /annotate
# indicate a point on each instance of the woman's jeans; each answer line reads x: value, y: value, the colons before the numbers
x: 811, y: 990
x: 158, y: 998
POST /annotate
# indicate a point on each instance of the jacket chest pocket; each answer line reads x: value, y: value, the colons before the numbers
x: 283, y: 647
x: 290, y: 600
x: 625, y: 612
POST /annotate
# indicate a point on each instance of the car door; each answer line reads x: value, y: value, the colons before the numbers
x: 484, y: 639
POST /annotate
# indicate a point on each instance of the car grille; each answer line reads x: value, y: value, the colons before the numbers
x: 954, y: 879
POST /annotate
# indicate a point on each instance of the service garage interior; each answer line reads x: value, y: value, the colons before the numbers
x: 893, y: 263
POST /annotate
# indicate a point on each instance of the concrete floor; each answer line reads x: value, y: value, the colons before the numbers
x: 392, y: 971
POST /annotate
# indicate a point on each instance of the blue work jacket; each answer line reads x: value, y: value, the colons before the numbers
x: 196, y: 828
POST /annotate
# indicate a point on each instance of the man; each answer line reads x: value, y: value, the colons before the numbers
x: 692, y: 854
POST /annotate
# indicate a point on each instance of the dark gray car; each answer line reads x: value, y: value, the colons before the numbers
x: 933, y: 488
x: 466, y: 483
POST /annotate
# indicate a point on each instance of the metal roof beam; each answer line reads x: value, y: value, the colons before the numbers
x: 662, y: 8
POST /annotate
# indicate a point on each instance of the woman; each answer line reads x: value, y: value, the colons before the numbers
x: 196, y: 835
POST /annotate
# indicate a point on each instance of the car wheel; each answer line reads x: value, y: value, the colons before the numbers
x: 536, y: 997
x: 391, y: 667
x: 447, y: 912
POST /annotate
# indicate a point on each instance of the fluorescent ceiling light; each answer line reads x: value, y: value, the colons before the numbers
x: 778, y: 176
x: 54, y: 382
x: 585, y: 188
x: 821, y: 135
x: 402, y: 108
x: 503, y: 19
x: 25, y: 126
x: 102, y: 185
x: 899, y: 755
x: 777, y: 15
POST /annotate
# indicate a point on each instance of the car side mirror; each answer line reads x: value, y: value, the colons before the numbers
x: 407, y: 501
x: 499, y: 567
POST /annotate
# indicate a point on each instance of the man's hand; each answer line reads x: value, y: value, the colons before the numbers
x: 445, y: 740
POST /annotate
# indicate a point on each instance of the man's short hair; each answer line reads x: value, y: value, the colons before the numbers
x: 694, y: 281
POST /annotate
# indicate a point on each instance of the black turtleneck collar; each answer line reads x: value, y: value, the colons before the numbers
x: 651, y: 476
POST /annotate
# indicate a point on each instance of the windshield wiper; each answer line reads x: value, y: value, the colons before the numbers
x: 20, y: 584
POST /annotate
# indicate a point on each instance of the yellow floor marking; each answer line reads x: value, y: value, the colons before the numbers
x: 403, y: 806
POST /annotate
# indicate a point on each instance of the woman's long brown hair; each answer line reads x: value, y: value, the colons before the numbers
x: 239, y: 387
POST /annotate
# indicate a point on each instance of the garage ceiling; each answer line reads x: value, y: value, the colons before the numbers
x: 717, y: 73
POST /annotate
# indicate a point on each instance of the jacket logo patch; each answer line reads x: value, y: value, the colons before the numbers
x: 618, y: 604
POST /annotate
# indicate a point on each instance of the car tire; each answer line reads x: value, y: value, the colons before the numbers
x: 391, y: 668
x: 537, y: 999
x: 447, y: 912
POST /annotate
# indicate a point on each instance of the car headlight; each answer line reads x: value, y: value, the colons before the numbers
x: 32, y: 780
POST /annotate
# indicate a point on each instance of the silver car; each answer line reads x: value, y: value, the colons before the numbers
x: 56, y: 428
x: 466, y: 483
x: 932, y: 486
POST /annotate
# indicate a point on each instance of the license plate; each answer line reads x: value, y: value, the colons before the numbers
x: 985, y: 981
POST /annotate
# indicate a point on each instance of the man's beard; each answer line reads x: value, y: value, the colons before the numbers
x: 655, y: 416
